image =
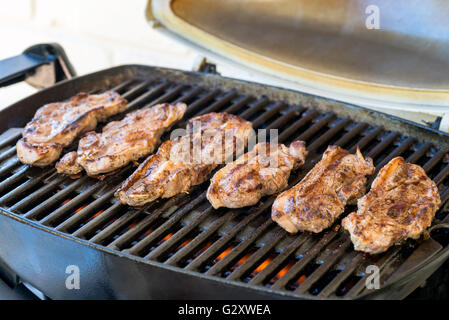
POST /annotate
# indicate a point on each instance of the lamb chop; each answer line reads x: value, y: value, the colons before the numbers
x: 401, y: 204
x: 56, y: 125
x: 121, y: 142
x: 187, y: 160
x: 321, y: 196
x: 262, y: 171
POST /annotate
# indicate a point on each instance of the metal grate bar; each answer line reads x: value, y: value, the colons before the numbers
x: 419, y: 153
x: 73, y: 204
x: 122, y: 85
x: 222, y: 241
x: 301, y: 263
x: 138, y: 247
x: 255, y: 258
x: 189, y: 95
x: 319, y: 124
x: 323, y: 268
x: 8, y: 153
x: 396, y: 152
x: 14, y: 177
x: 351, y: 134
x: 11, y: 163
x: 151, y: 94
x: 383, y: 144
x: 197, y: 241
x: 37, y: 194
x: 193, y: 108
x: 153, y: 255
x: 434, y: 160
x: 237, y: 105
x: 278, y: 107
x: 441, y: 175
x: 86, y: 211
x: 115, y: 226
x: 384, y: 260
x: 94, y: 223
x: 329, y: 134
x: 342, y: 276
x: 219, y: 103
x: 172, y: 204
x: 279, y: 259
x: 12, y: 135
x: 366, y: 139
x: 306, y: 117
x: 257, y: 107
x: 280, y: 122
x: 59, y: 196
x: 241, y: 247
x: 167, y: 96
x: 137, y: 89
x: 24, y: 187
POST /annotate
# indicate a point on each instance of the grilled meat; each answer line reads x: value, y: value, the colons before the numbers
x: 318, y: 199
x: 57, y: 125
x: 401, y: 204
x: 121, y: 142
x: 262, y: 171
x: 187, y: 160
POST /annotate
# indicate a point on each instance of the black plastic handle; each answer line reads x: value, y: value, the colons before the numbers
x: 41, y: 66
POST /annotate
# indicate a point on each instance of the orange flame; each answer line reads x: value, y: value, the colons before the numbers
x: 80, y: 208
x: 168, y: 236
x: 97, y: 214
x: 224, y: 253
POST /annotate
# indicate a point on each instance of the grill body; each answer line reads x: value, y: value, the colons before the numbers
x: 176, y: 248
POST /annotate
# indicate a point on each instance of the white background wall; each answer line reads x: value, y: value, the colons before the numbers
x: 96, y: 34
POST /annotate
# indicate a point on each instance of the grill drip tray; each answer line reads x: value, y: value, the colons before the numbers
x: 50, y: 221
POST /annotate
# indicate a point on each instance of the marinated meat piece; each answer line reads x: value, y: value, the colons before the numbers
x: 319, y: 199
x: 56, y: 125
x: 264, y: 170
x: 401, y: 204
x: 188, y: 160
x: 121, y: 142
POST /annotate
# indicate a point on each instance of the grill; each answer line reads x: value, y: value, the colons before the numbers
x: 183, y: 248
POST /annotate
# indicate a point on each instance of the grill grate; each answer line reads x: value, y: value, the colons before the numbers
x: 242, y: 245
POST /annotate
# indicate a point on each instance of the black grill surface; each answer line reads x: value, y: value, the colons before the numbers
x: 243, y: 245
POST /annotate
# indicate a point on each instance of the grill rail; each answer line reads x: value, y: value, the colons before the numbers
x: 241, y: 245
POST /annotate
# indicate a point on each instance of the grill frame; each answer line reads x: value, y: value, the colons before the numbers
x: 112, y: 259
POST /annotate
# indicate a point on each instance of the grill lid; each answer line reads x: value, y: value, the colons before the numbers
x: 325, y: 47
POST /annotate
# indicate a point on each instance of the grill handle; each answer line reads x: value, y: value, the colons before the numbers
x: 41, y: 66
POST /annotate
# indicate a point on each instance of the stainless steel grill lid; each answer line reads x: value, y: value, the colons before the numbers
x: 325, y: 47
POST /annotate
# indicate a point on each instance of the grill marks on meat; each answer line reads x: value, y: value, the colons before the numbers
x: 264, y: 170
x: 401, y: 204
x: 320, y: 198
x: 188, y: 160
x: 57, y: 125
x: 121, y: 142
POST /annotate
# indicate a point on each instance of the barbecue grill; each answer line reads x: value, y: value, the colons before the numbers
x: 183, y: 248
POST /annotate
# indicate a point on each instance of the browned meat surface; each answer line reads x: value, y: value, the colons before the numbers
x: 401, y: 204
x: 187, y: 160
x: 57, y: 125
x: 318, y: 199
x: 121, y: 142
x: 262, y: 171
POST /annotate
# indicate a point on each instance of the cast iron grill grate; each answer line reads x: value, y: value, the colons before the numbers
x: 242, y: 245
